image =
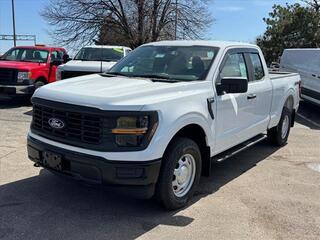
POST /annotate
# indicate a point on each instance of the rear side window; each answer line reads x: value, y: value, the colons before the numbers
x: 235, y: 66
x: 258, y: 72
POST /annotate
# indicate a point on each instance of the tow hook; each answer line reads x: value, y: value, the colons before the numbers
x: 37, y: 164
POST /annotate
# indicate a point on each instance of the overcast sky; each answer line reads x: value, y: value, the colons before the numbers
x: 239, y: 20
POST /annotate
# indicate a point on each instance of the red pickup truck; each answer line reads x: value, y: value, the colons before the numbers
x: 24, y: 69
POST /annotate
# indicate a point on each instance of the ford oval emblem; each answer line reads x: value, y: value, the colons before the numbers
x: 56, y: 123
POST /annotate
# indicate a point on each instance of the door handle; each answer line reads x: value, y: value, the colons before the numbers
x: 251, y: 96
x: 313, y: 75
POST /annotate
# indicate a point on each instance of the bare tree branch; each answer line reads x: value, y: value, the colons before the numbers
x: 126, y: 22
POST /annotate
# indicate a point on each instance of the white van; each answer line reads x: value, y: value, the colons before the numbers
x: 305, y: 61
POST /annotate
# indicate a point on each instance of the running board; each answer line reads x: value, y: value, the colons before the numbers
x: 239, y: 148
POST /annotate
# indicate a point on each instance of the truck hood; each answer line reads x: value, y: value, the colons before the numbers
x: 20, y: 65
x: 87, y: 66
x: 117, y: 93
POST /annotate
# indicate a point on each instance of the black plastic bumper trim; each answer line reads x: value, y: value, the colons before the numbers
x: 135, y: 178
x: 17, y: 89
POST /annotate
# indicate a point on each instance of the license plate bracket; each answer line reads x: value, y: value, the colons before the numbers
x: 52, y: 160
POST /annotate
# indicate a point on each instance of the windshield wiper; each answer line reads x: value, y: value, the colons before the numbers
x: 82, y: 59
x: 113, y: 74
x: 157, y: 78
x: 105, y: 60
x: 152, y: 77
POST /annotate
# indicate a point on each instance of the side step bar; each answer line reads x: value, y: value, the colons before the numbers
x: 233, y: 151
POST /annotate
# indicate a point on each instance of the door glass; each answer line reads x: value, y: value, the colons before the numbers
x: 56, y: 56
x: 235, y: 66
x: 257, y: 66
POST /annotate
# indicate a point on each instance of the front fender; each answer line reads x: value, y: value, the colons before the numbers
x: 168, y: 129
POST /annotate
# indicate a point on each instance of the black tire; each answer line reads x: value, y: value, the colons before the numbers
x: 39, y: 84
x: 275, y: 135
x: 164, y: 190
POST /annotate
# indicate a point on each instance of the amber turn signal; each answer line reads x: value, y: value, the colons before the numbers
x: 129, y: 131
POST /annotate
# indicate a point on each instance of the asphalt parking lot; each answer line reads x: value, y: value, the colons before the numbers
x: 262, y: 193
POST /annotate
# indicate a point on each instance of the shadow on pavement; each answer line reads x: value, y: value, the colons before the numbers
x: 14, y: 102
x: 47, y: 207
x: 309, y: 115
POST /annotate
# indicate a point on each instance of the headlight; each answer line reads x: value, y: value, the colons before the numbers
x: 135, y: 131
x: 22, y: 76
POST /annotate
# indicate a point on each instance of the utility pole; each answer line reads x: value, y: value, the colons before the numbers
x: 176, y: 21
x: 13, y: 24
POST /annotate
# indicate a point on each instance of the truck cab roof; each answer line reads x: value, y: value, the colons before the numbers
x: 210, y: 43
x: 106, y: 46
x: 48, y: 48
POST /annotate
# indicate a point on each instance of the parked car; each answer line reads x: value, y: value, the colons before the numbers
x: 24, y: 69
x: 305, y: 61
x: 92, y: 59
x: 160, y: 117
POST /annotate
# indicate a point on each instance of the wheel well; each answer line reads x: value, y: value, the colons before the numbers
x: 289, y: 104
x: 197, y: 134
x: 41, y: 79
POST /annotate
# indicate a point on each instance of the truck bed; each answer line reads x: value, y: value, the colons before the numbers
x: 278, y: 74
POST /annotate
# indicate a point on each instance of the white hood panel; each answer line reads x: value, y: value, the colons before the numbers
x: 116, y: 93
x: 87, y: 66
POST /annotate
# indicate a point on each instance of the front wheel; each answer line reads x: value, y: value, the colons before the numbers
x: 279, y: 134
x: 179, y: 174
x: 38, y: 84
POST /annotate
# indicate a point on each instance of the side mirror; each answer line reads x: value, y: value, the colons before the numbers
x: 66, y: 58
x: 232, y: 85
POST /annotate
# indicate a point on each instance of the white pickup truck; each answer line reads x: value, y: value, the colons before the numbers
x: 92, y: 59
x: 161, y: 116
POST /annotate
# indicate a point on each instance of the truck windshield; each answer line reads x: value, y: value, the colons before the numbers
x: 26, y: 55
x: 100, y: 54
x: 178, y: 63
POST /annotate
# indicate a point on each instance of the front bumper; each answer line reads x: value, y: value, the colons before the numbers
x: 12, y: 90
x: 134, y: 178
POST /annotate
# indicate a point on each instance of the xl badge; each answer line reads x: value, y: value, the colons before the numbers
x: 56, y: 123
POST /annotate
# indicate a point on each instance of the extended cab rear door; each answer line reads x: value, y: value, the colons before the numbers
x: 259, y: 97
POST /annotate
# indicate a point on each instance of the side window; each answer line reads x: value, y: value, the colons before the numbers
x: 56, y: 55
x: 235, y: 66
x: 257, y: 66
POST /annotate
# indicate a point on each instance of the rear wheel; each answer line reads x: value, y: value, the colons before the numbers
x: 278, y: 135
x: 179, y: 174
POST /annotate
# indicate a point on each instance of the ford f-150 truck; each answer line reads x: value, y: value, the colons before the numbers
x: 161, y: 116
x: 92, y: 59
x: 24, y: 69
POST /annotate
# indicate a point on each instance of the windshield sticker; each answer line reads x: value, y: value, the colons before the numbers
x: 210, y: 54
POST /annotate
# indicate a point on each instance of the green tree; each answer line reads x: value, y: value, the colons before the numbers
x: 290, y: 26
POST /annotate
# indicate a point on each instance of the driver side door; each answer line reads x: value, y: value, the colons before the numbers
x: 233, y: 110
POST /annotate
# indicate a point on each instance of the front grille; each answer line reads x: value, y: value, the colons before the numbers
x: 79, y: 127
x: 71, y: 74
x: 8, y: 75
x: 85, y: 127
